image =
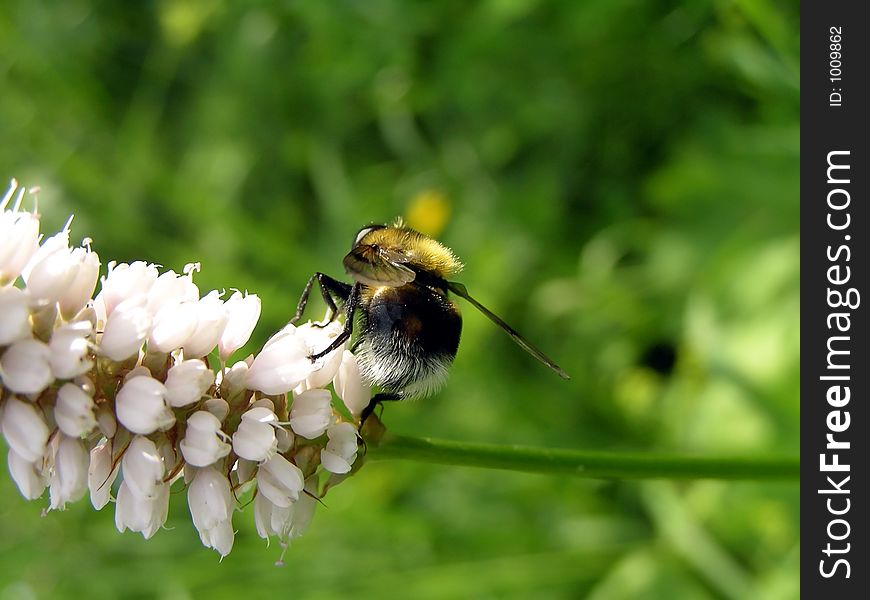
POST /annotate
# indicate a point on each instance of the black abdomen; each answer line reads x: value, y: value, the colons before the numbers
x: 409, y: 336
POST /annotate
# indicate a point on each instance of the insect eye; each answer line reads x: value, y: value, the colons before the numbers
x: 364, y: 232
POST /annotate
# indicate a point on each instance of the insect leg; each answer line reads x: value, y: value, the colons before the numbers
x: 329, y: 289
x: 375, y: 401
x: 350, y: 307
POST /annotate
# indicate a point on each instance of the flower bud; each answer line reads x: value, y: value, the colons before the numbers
x: 74, y: 411
x: 203, y: 443
x: 14, y: 315
x: 271, y: 519
x: 171, y: 288
x: 101, y: 474
x: 174, y: 323
x: 24, y: 367
x: 144, y: 515
x: 245, y: 470
x: 211, y: 321
x: 218, y: 407
x: 81, y: 288
x: 340, y: 451
x: 281, y: 365
x: 106, y: 421
x: 311, y: 413
x: 255, y: 438
x: 350, y: 387
x: 187, y: 381
x: 51, y: 270
x: 233, y: 382
x: 126, y: 329
x: 124, y: 282
x: 280, y: 481
x: 24, y: 429
x: 19, y: 236
x: 141, y: 407
x: 169, y: 453
x: 69, y: 478
x: 26, y: 475
x: 243, y: 312
x: 211, y: 507
x: 285, y: 439
x: 143, y: 467
x: 69, y: 347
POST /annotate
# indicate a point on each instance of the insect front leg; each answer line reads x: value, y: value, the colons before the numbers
x: 350, y: 307
x: 329, y: 289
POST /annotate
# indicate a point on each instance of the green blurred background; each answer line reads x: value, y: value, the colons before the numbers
x: 621, y: 180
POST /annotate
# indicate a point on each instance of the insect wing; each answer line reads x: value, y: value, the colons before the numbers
x: 377, y: 267
x: 460, y: 290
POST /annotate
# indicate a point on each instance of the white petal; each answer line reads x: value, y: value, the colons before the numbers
x: 101, y: 474
x: 254, y: 440
x: 14, y: 315
x: 187, y: 381
x: 26, y: 475
x: 70, y: 348
x: 171, y: 288
x: 220, y: 537
x: 142, y: 467
x: 81, y: 288
x: 126, y: 329
x: 209, y: 499
x: 243, y: 311
x: 141, y: 407
x: 69, y: 479
x: 350, y: 387
x: 19, y: 235
x: 340, y: 452
x: 52, y: 269
x: 280, y: 481
x: 25, y: 367
x: 311, y: 413
x: 24, y: 429
x: 124, y: 282
x: 173, y: 326
x: 318, y: 339
x: 74, y: 411
x: 202, y: 444
x: 281, y: 366
x: 211, y: 320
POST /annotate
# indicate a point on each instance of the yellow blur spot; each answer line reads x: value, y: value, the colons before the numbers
x: 635, y: 393
x: 428, y: 212
x: 183, y: 20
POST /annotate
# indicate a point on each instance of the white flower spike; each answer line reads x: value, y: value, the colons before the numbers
x: 91, y: 390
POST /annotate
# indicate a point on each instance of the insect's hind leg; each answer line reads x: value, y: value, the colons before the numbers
x: 329, y: 289
x: 376, y: 400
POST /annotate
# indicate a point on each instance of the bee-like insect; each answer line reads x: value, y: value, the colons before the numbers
x: 409, y: 326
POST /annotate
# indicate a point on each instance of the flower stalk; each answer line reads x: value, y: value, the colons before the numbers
x: 584, y: 463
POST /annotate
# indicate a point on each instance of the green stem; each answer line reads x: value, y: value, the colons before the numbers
x: 585, y: 463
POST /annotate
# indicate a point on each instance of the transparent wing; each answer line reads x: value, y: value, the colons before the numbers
x: 374, y: 266
x: 460, y: 290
